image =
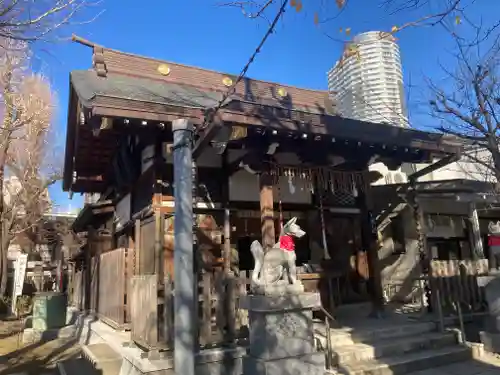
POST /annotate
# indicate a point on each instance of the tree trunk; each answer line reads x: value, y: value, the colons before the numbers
x: 3, y: 274
x: 3, y: 242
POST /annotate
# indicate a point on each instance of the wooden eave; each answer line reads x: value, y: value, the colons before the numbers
x: 89, y: 212
x: 252, y: 114
x: 125, y: 86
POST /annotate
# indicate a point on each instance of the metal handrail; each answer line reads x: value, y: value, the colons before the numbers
x: 458, y: 303
x: 329, y: 353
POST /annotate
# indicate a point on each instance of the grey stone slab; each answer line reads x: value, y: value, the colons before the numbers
x: 491, y: 341
x: 492, y: 324
x: 31, y: 335
x: 278, y: 289
x: 492, y: 294
x: 278, y: 335
x: 310, y: 364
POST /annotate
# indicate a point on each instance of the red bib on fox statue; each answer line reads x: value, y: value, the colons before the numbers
x: 286, y: 243
x: 494, y: 237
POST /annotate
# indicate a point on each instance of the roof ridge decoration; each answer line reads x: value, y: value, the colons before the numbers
x: 98, y: 61
x: 108, y: 61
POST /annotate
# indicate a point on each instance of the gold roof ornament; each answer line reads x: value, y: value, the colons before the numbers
x: 164, y: 69
x: 226, y: 81
x: 282, y: 92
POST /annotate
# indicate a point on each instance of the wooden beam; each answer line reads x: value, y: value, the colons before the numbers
x: 207, y: 136
x: 369, y: 239
x: 342, y: 128
x: 431, y: 168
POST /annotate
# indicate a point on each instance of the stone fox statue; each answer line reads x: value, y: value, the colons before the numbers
x: 270, y: 266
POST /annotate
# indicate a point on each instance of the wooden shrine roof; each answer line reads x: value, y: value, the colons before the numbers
x: 127, y: 86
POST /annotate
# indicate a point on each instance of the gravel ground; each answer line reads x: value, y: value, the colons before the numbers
x: 31, y: 359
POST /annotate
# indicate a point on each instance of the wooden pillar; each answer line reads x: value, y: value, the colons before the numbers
x: 157, y: 202
x: 423, y: 250
x: 230, y: 300
x: 369, y: 240
x: 227, y: 253
x: 137, y: 247
x: 91, y: 238
x: 266, y: 210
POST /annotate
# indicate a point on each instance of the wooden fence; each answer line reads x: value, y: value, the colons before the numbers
x: 77, y: 289
x: 219, y: 319
x: 144, y: 311
x: 107, y: 287
x: 114, y: 271
x: 455, y: 281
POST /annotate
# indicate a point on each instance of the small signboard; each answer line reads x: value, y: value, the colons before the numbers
x: 19, y: 273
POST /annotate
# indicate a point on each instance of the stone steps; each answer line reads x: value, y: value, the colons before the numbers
x: 349, y: 336
x: 76, y: 366
x: 102, y: 358
x: 392, y: 347
x: 408, y: 363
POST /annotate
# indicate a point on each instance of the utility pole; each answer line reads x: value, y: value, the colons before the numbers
x: 184, y: 271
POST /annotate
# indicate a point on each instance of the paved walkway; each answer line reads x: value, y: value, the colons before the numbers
x: 488, y: 365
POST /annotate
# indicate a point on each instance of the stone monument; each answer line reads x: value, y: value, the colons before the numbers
x: 280, y: 313
x: 490, y: 337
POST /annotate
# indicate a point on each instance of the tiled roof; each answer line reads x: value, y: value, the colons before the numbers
x: 88, y: 85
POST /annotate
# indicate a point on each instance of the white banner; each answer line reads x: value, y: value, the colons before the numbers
x: 19, y: 273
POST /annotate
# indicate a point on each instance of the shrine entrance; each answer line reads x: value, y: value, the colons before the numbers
x: 331, y: 258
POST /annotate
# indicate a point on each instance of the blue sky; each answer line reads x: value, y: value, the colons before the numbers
x: 200, y: 33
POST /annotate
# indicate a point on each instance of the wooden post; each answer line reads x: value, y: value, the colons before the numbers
x: 88, y: 265
x: 266, y: 210
x: 369, y: 240
x: 229, y: 299
x: 159, y: 245
x: 227, y: 216
x: 425, y: 256
x: 159, y: 235
x: 168, y: 313
x: 137, y: 247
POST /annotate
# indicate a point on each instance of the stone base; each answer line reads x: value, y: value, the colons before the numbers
x: 491, y: 341
x: 492, y: 324
x: 32, y: 335
x: 282, y: 335
x: 278, y: 289
x: 306, y: 364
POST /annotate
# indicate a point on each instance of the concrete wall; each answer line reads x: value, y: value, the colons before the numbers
x: 465, y: 168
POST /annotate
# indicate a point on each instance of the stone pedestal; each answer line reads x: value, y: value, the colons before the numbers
x: 282, y: 335
x: 490, y: 337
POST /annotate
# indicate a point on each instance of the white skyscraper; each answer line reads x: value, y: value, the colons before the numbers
x: 367, y: 82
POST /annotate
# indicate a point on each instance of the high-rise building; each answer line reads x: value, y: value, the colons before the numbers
x: 367, y: 82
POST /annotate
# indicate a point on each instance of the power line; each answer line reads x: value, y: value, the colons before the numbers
x: 211, y: 114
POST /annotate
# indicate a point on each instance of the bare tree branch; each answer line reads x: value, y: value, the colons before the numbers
x: 27, y: 164
x: 28, y: 20
x: 468, y: 103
